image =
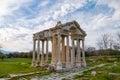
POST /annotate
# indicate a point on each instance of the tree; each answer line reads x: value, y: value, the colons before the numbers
x: 90, y: 51
x: 117, y: 45
x: 118, y: 38
x: 99, y: 44
x: 105, y: 41
x: 2, y: 56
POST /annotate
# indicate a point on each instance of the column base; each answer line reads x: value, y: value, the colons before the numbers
x: 63, y: 65
x: 38, y: 64
x: 78, y: 64
x: 68, y: 66
x: 46, y: 64
x: 33, y: 64
x: 72, y: 65
x: 51, y: 67
x: 53, y: 64
x: 42, y: 63
x: 84, y: 64
x: 59, y: 66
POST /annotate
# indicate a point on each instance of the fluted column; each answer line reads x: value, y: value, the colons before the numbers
x: 63, y: 50
x: 67, y: 54
x: 53, y: 61
x: 73, y: 54
x: 59, y: 64
x: 83, y: 54
x: 42, y: 58
x: 38, y: 54
x: 46, y: 52
x: 78, y: 54
x: 52, y: 41
x: 33, y: 55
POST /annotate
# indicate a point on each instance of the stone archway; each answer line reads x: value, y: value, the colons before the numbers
x: 62, y: 56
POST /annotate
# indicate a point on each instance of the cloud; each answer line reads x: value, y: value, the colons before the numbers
x: 44, y: 3
x: 103, y: 23
x: 68, y: 6
x: 20, y: 19
x: 15, y: 39
x: 112, y: 4
x: 7, y: 7
x: 103, y: 20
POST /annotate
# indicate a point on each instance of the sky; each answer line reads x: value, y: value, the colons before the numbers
x: 19, y: 19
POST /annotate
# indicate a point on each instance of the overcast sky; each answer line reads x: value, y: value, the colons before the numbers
x: 19, y: 19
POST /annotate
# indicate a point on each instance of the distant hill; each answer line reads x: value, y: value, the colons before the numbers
x: 4, y: 51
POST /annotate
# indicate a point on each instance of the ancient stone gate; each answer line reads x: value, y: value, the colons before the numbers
x: 63, y: 56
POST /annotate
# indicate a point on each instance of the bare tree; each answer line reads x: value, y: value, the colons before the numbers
x: 118, y: 38
x: 99, y: 43
x: 111, y: 42
x: 117, y: 45
x: 105, y: 41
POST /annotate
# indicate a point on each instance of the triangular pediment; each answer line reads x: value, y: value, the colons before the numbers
x: 73, y: 25
x: 69, y: 27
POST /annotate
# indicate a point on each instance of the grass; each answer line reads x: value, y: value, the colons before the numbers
x: 31, y: 76
x: 22, y: 65
x: 102, y: 72
x: 15, y: 66
x: 90, y: 64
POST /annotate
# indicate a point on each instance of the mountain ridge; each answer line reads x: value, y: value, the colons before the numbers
x: 4, y: 51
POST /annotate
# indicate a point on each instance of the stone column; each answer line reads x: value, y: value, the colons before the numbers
x: 73, y: 54
x: 78, y: 54
x: 83, y: 55
x: 63, y: 51
x: 46, y: 52
x: 53, y: 61
x: 67, y: 54
x: 33, y: 56
x: 59, y: 64
x: 42, y: 58
x: 52, y: 57
x: 38, y: 54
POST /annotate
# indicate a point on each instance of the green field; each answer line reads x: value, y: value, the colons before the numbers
x: 22, y: 65
x: 16, y: 65
x: 102, y: 73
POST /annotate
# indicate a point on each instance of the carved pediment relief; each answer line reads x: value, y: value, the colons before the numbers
x: 73, y: 28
